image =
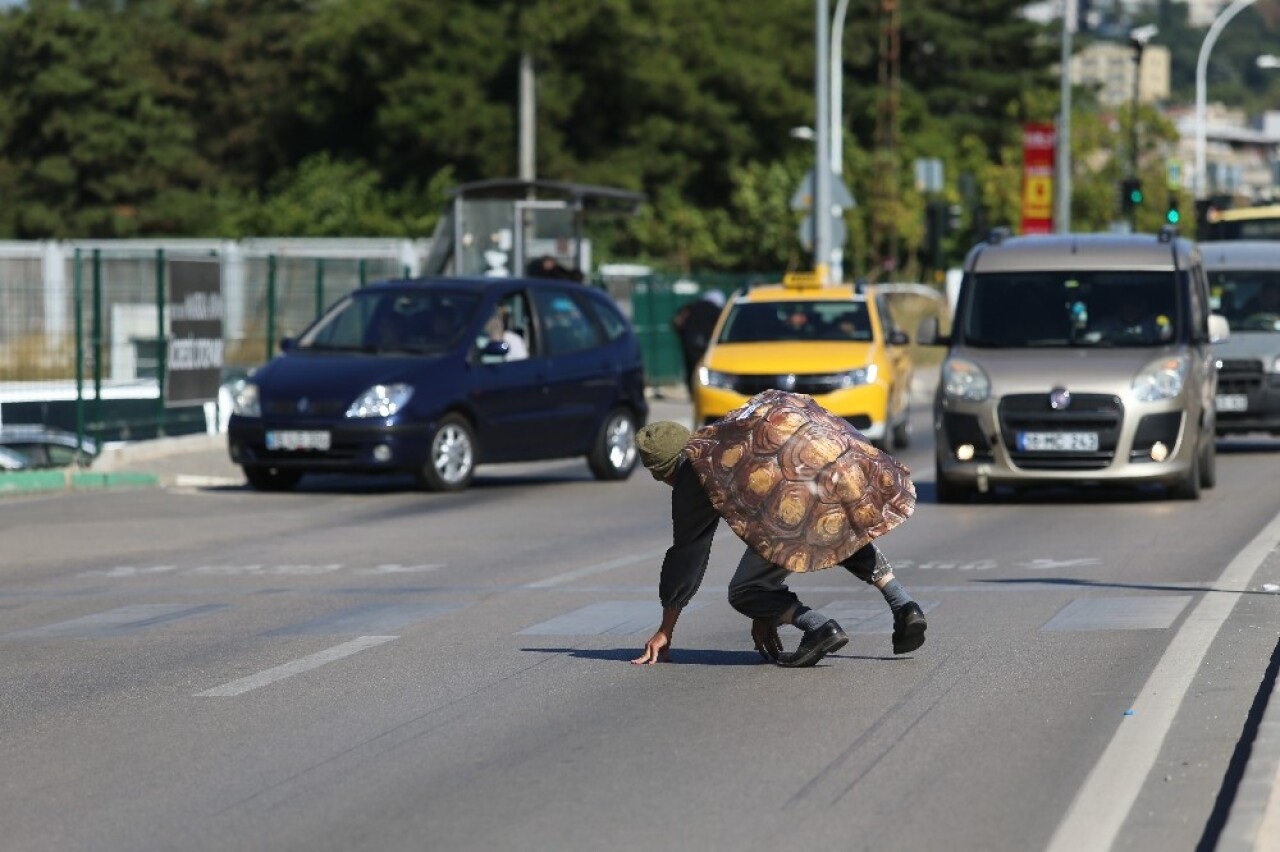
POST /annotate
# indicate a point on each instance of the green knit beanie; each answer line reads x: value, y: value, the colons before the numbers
x: 660, y: 445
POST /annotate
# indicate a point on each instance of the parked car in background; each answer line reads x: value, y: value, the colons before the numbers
x: 836, y: 343
x: 44, y: 446
x: 1078, y: 359
x: 437, y: 376
x: 1244, y: 286
x: 13, y: 460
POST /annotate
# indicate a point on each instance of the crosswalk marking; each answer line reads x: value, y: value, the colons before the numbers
x: 298, y: 666
x: 1129, y: 612
x: 608, y: 618
x: 368, y: 618
x: 114, y: 622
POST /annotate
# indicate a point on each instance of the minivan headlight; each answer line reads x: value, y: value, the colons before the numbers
x: 1161, y: 379
x: 963, y: 379
x: 381, y: 401
x: 714, y: 379
x: 246, y: 402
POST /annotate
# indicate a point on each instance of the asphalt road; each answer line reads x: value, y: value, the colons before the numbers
x: 361, y: 666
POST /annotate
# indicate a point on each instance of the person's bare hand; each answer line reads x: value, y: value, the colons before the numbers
x: 764, y: 633
x: 656, y: 650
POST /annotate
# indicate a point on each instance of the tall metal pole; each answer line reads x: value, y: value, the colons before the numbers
x: 1202, y: 65
x: 1062, y: 158
x: 822, y: 156
x: 528, y: 108
x: 837, y: 118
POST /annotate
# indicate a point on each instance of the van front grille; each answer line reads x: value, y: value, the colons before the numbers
x: 1098, y: 413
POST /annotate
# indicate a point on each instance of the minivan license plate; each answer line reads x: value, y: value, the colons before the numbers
x: 1231, y: 402
x: 295, y: 440
x: 1077, y: 442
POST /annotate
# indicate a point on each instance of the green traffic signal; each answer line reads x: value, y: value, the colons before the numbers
x: 1172, y: 216
x: 1135, y: 195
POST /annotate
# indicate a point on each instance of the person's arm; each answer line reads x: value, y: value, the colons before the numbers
x: 693, y: 526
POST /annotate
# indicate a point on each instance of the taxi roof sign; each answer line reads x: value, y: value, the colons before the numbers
x: 801, y: 280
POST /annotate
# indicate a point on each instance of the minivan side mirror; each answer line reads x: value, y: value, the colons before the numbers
x: 494, y: 352
x: 1219, y: 330
x: 927, y: 333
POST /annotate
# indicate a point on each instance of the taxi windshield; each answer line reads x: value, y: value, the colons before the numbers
x: 762, y: 322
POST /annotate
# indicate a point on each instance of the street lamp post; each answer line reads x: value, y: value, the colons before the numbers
x: 1202, y: 64
x: 837, y: 119
x: 822, y: 154
x: 1062, y: 158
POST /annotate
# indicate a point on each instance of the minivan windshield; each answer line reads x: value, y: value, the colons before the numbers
x: 1059, y: 308
x: 1249, y: 299
x: 394, y: 321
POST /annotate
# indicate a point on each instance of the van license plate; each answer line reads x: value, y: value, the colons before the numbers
x: 1231, y: 402
x: 1069, y: 442
x: 294, y: 440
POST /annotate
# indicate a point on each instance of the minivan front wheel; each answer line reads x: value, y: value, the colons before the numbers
x: 1188, y: 488
x: 451, y: 462
x: 613, y: 453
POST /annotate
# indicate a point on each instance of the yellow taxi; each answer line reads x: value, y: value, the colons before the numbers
x: 837, y: 343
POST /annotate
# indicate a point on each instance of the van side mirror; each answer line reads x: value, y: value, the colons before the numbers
x: 927, y: 333
x: 899, y: 338
x: 1219, y: 330
x: 494, y: 352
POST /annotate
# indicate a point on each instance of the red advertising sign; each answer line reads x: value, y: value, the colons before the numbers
x: 1039, y: 142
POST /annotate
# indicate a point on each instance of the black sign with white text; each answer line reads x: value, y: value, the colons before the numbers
x: 193, y: 361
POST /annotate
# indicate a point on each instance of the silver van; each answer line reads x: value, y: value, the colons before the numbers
x: 1078, y: 359
x: 1244, y: 286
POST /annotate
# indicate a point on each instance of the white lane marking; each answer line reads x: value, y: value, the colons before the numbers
x: 120, y: 621
x: 125, y: 571
x: 579, y: 573
x: 298, y: 666
x: 1104, y: 800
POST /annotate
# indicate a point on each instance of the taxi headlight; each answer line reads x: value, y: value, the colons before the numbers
x: 1161, y: 379
x: 713, y: 379
x: 246, y: 402
x: 380, y: 401
x: 854, y: 378
x: 963, y: 379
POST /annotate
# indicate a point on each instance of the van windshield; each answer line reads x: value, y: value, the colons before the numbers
x: 1055, y: 308
x: 1249, y: 299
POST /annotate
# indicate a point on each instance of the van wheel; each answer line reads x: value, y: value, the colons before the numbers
x: 1209, y: 464
x: 613, y: 453
x: 451, y: 462
x: 948, y: 491
x: 1188, y: 488
x: 270, y: 478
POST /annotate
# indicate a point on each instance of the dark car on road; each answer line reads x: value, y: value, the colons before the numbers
x: 45, y: 446
x: 436, y: 376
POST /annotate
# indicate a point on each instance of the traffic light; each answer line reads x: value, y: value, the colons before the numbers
x: 1130, y: 194
x: 1172, y: 216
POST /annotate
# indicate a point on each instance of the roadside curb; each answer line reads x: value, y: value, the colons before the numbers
x: 35, y: 481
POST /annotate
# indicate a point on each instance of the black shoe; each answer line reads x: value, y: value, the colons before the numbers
x: 908, y: 628
x: 814, y: 645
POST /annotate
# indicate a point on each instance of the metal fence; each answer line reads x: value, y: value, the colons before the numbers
x: 85, y: 327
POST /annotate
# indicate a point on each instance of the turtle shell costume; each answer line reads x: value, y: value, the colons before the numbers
x: 799, y: 485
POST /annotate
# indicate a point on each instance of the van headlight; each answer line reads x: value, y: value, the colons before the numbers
x: 1161, y: 379
x: 964, y: 380
x: 381, y: 401
x: 713, y: 379
x: 246, y: 403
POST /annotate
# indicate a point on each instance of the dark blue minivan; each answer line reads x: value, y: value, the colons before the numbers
x: 436, y: 376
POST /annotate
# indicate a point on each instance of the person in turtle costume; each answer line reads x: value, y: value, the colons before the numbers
x: 805, y: 491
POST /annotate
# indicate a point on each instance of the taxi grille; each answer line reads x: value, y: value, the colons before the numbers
x: 814, y: 385
x: 1100, y: 413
